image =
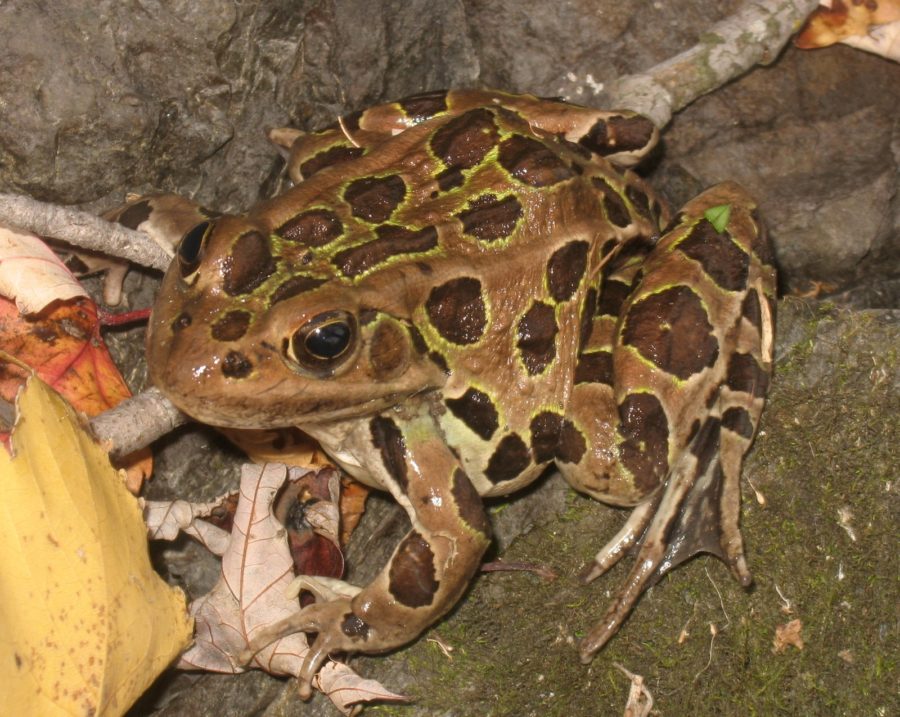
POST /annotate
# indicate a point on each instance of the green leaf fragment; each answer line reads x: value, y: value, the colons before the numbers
x: 718, y: 216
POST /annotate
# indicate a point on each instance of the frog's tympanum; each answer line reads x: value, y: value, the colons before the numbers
x: 462, y: 289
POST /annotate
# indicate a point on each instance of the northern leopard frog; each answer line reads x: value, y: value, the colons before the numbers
x: 461, y: 289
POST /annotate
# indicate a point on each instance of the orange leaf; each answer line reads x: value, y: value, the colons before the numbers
x: 842, y: 20
x: 62, y: 345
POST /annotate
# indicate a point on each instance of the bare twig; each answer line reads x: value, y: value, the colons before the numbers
x: 137, y: 422
x: 83, y: 230
x: 752, y: 36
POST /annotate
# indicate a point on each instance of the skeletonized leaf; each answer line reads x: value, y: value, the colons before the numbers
x: 257, y: 571
x: 31, y: 274
x: 166, y: 519
x: 345, y: 688
x: 85, y: 623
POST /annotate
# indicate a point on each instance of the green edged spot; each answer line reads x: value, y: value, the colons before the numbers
x: 718, y: 216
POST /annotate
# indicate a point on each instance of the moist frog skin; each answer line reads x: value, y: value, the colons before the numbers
x: 461, y: 289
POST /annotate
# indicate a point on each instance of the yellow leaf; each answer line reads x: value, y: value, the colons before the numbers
x: 85, y: 623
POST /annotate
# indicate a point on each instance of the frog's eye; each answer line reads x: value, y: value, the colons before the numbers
x: 190, y: 246
x: 324, y: 341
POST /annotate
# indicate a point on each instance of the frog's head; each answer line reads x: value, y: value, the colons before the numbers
x: 253, y: 331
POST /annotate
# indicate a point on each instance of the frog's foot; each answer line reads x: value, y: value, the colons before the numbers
x: 335, y: 627
x: 696, y: 510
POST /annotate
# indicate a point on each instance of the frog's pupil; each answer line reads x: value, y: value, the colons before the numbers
x: 328, y: 341
x: 189, y: 249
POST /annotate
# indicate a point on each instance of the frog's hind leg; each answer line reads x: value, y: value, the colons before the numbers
x: 690, y: 362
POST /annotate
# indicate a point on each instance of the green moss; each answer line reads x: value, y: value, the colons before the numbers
x: 828, y: 444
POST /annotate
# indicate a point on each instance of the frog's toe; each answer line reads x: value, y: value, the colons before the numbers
x: 696, y: 511
x: 622, y: 543
x: 325, y: 619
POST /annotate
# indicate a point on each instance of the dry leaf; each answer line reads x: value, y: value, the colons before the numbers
x: 62, y: 345
x: 788, y: 634
x: 253, y: 590
x: 873, y: 26
x: 345, y: 688
x: 295, y: 448
x: 166, y: 519
x: 86, y: 624
x: 31, y: 274
x: 640, y: 701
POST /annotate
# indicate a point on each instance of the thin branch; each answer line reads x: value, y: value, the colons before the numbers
x: 83, y: 230
x: 137, y: 422
x: 752, y: 36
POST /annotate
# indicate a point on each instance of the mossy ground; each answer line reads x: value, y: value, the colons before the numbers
x: 826, y: 463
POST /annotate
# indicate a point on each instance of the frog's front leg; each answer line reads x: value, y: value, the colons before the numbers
x: 432, y: 565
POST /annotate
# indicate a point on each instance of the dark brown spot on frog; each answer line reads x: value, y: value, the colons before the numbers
x: 232, y: 326
x: 456, y: 310
x: 468, y: 503
x: 706, y: 444
x: 477, y: 411
x: 532, y: 162
x: 439, y: 361
x: 671, y: 329
x: 422, y: 106
x: 722, y: 260
x: 450, y: 178
x: 136, y: 214
x: 182, y: 321
x: 631, y: 133
x: 418, y: 341
x: 367, y: 315
x: 612, y: 297
x: 537, y: 337
x: 354, y: 626
x: 737, y: 419
x: 329, y: 158
x: 411, y: 576
x: 640, y: 200
x: 294, y: 286
x: 374, y: 199
x: 616, y: 211
x: 392, y: 241
x: 750, y: 309
x: 509, y: 459
x: 489, y: 218
x: 594, y: 367
x: 588, y: 309
x: 674, y: 222
x: 465, y: 140
x: 388, y: 439
x: 388, y: 350
x: 236, y: 365
x: 556, y: 438
x: 314, y: 228
x: 565, y: 269
x: 248, y: 265
x: 350, y: 121
x: 618, y: 134
x: 645, y: 430
x: 745, y: 374
x: 695, y: 426
x: 762, y: 245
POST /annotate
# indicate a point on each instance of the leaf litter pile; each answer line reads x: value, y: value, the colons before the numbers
x: 75, y: 575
